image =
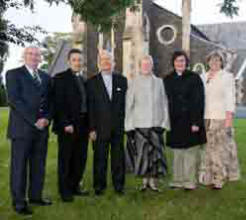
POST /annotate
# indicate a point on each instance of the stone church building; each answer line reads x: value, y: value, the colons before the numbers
x: 153, y: 30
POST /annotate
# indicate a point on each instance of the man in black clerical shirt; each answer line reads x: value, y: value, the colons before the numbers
x: 70, y: 124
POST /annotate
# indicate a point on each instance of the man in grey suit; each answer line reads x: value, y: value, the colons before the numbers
x: 28, y: 97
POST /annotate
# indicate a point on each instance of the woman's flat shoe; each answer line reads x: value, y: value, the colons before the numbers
x: 154, y: 189
x: 143, y: 188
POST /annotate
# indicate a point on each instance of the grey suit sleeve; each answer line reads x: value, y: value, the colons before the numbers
x: 15, y: 100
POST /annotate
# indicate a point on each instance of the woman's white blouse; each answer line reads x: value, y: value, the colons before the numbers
x: 146, y: 103
x: 220, y: 95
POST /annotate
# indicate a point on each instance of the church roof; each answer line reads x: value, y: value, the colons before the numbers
x: 59, y: 63
x: 231, y: 34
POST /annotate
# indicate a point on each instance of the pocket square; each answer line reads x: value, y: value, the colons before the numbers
x: 118, y: 89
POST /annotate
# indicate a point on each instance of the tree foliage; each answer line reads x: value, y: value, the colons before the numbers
x: 229, y: 8
x: 101, y: 13
x: 9, y: 32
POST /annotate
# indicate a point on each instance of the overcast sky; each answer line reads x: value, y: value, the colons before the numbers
x: 58, y: 18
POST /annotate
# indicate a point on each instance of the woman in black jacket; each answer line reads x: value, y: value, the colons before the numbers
x: 185, y: 94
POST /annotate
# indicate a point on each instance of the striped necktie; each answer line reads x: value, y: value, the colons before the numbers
x: 36, y: 78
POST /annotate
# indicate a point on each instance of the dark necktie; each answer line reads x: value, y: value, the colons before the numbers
x: 36, y: 78
x: 80, y: 83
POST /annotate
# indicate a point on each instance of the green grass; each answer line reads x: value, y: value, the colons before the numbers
x: 202, y: 204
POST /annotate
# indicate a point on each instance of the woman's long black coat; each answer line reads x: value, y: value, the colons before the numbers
x: 186, y: 108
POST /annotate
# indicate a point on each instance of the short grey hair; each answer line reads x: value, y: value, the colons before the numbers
x: 30, y: 47
x: 147, y: 57
x: 216, y: 53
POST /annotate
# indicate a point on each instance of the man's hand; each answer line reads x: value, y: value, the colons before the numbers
x: 93, y: 135
x: 69, y: 129
x: 42, y: 123
x: 194, y: 128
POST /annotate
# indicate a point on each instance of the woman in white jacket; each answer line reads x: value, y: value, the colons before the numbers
x: 221, y: 161
x: 147, y: 115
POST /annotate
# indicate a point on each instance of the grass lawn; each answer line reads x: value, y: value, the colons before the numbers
x: 229, y: 203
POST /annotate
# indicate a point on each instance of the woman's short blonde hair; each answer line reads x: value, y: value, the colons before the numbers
x: 147, y: 57
x: 216, y: 53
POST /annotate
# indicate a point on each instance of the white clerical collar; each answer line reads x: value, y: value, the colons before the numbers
x: 79, y: 73
x: 106, y: 74
x: 179, y: 73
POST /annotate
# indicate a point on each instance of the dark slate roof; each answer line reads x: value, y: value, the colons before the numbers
x: 232, y: 34
x: 59, y: 63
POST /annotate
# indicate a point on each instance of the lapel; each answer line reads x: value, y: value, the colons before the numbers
x: 29, y: 77
x: 114, y: 87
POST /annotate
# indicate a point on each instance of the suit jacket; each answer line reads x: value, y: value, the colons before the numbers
x: 186, y: 108
x: 28, y: 102
x: 105, y: 115
x: 67, y: 99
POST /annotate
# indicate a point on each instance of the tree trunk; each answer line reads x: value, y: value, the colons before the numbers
x: 186, y: 25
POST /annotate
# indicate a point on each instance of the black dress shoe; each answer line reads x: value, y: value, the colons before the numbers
x: 80, y: 192
x: 120, y: 192
x: 98, y: 192
x: 67, y: 198
x: 40, y: 202
x: 24, y: 211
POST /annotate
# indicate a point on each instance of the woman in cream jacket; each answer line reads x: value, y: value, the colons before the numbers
x: 220, y: 160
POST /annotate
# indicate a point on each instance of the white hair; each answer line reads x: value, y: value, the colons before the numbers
x: 27, y: 48
x: 107, y: 54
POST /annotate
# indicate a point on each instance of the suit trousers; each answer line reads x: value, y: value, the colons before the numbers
x: 28, y: 156
x: 101, y: 152
x: 72, y: 156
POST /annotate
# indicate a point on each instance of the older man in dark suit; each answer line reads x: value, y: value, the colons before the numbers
x: 28, y: 96
x: 106, y: 95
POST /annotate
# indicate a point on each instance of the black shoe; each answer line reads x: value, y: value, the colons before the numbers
x: 41, y: 202
x: 120, y: 192
x: 80, y: 192
x: 98, y: 192
x: 67, y: 198
x: 24, y: 211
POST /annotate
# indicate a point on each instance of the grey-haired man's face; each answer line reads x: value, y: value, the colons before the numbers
x: 32, y: 57
x: 75, y: 62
